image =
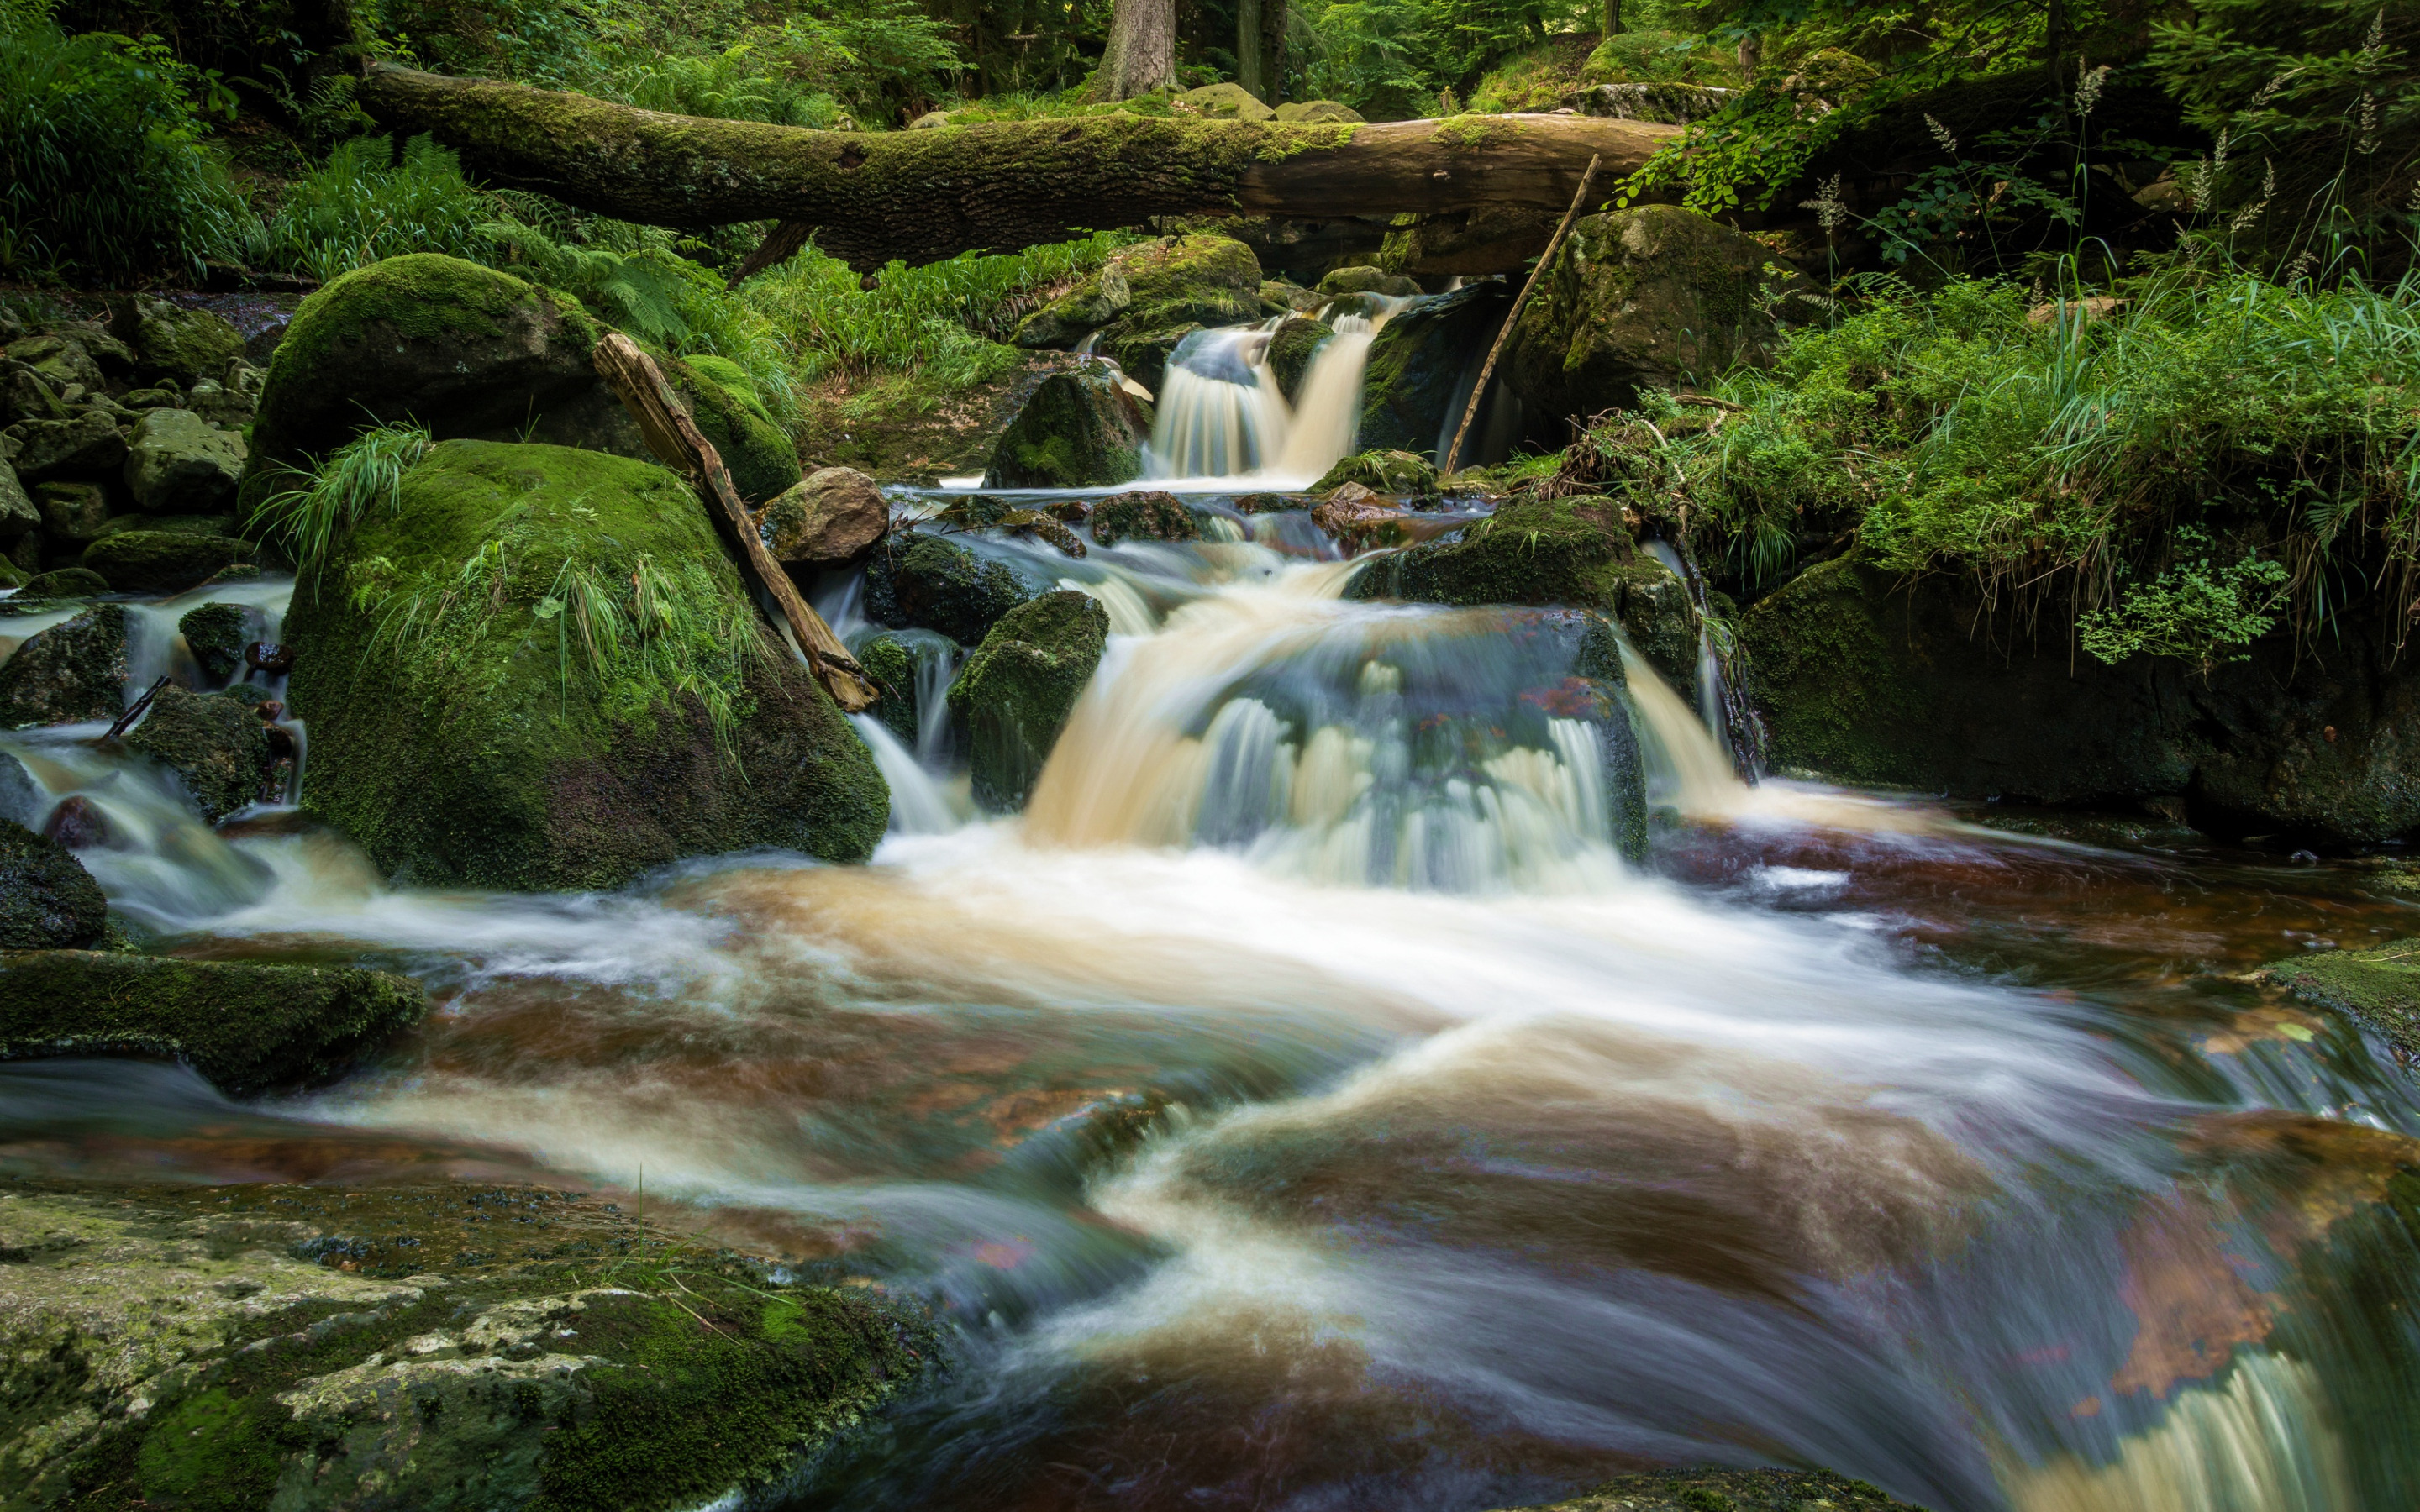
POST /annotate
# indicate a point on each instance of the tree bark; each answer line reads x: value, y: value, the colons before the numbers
x: 924, y: 195
x: 1248, y: 72
x: 1141, y: 51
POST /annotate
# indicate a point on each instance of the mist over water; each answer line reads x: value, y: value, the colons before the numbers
x: 1307, y: 1103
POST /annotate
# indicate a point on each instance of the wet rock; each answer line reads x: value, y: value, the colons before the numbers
x: 1491, y: 239
x: 59, y: 360
x: 1222, y: 101
x: 1081, y: 429
x: 903, y: 662
x: 1018, y: 689
x: 1732, y: 1490
x: 67, y: 582
x: 1292, y: 347
x: 48, y: 901
x: 760, y: 455
x: 2379, y: 987
x: 245, y: 1028
x: 1367, y: 281
x: 1359, y: 521
x: 463, y: 349
x: 1269, y: 503
x: 1144, y: 515
x: 20, y: 797
x: 829, y: 517
x: 216, y: 746
x: 1652, y: 297
x: 72, y: 511
x: 1144, y: 353
x: 179, y: 464
x: 183, y: 345
x: 1204, y: 279
x: 1413, y: 389
x: 513, y: 761
x: 1381, y: 471
x: 163, y: 561
x: 78, y: 823
x: 1317, y: 112
x: 270, y: 656
x: 1280, y: 294
x: 71, y: 673
x: 24, y: 394
x: 922, y: 580
x: 163, y: 397
x: 85, y: 444
x: 217, y: 634
x: 17, y: 511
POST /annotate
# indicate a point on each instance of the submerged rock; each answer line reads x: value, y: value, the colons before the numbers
x: 1018, y: 689
x: 48, y: 901
x: 828, y: 518
x: 1732, y: 1490
x: 491, y: 748
x: 246, y: 1029
x: 217, y: 634
x: 165, y: 560
x: 922, y: 580
x: 217, y: 747
x: 2379, y: 987
x: 179, y: 464
x: 71, y: 673
x: 463, y: 349
x: 1081, y: 429
x: 1147, y: 514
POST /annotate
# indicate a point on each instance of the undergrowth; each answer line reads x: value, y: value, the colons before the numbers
x: 365, y: 474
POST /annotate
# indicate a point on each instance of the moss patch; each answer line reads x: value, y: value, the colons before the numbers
x: 2380, y: 987
x: 1019, y: 687
x: 47, y: 899
x: 217, y: 747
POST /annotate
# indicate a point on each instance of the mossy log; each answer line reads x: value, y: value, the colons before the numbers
x: 921, y: 196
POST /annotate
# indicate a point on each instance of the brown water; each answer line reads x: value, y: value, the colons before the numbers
x: 1305, y: 1108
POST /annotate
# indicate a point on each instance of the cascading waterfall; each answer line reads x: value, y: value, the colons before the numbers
x: 1222, y: 415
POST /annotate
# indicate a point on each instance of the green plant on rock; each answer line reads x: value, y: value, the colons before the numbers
x: 2193, y: 610
x: 362, y: 474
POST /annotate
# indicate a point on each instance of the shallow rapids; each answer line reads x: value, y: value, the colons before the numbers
x: 1394, y: 1064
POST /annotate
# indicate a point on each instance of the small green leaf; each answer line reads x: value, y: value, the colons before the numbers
x: 548, y: 608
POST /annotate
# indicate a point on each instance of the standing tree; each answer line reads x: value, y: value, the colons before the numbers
x: 1260, y: 47
x: 1141, y: 53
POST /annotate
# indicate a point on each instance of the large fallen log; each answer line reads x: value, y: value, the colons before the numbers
x: 923, y: 195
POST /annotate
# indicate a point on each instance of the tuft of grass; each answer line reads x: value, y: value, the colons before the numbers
x: 367, y: 203
x: 365, y: 474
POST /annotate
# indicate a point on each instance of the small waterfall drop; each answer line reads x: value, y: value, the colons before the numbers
x: 1222, y: 415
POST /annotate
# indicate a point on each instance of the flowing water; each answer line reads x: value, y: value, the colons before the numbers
x: 1222, y: 419
x: 1318, y: 1100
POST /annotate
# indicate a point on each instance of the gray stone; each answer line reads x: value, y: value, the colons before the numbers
x: 48, y: 901
x: 73, y: 511
x: 88, y: 445
x: 831, y: 516
x: 176, y: 463
x: 68, y: 674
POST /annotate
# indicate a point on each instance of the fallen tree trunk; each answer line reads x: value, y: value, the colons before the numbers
x: 923, y: 195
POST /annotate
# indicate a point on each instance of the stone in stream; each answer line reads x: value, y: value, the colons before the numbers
x: 828, y: 518
x: 1365, y: 279
x: 1292, y: 347
x: 893, y: 658
x: 176, y: 463
x: 219, y: 749
x: 181, y: 345
x: 66, y: 582
x: 1317, y: 112
x: 1203, y: 280
x: 463, y: 349
x: 217, y: 634
x: 1381, y: 471
x: 1732, y: 1490
x: 71, y: 672
x: 48, y: 901
x: 1412, y: 394
x: 244, y: 1027
x: 2378, y: 986
x: 1081, y: 429
x: 1147, y: 514
x: 1359, y: 521
x: 491, y: 748
x: 922, y: 580
x: 1017, y: 689
x: 164, y: 562
x: 81, y: 445
x: 345, y: 1348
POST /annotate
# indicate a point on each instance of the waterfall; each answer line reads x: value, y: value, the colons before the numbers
x: 1220, y: 414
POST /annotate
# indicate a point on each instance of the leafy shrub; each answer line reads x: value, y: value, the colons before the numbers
x: 732, y: 85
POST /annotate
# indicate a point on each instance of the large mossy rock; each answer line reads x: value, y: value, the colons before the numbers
x: 762, y: 458
x: 1145, y: 515
x: 1732, y: 1490
x: 463, y: 349
x: 246, y: 1029
x: 71, y: 673
x: 163, y: 560
x: 1418, y: 362
x: 181, y: 345
x: 484, y: 746
x: 1292, y: 347
x: 445, y: 1347
x: 1203, y: 280
x: 1864, y: 677
x: 1081, y: 429
x: 1390, y: 472
x: 1018, y: 689
x: 1652, y: 297
x: 922, y: 581
x: 48, y: 901
x: 178, y: 463
x: 217, y: 747
x: 1573, y: 552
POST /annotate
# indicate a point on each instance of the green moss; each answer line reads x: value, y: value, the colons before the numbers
x: 885, y: 660
x: 1476, y: 130
x: 919, y: 579
x: 217, y: 634
x: 422, y: 296
x: 1567, y: 551
x: 244, y: 1027
x: 1291, y: 348
x: 1381, y: 471
x: 47, y: 899
x: 75, y: 670
x: 493, y: 702
x: 1019, y: 687
x: 217, y: 747
x: 1080, y: 430
x: 1148, y: 515
x: 163, y: 561
x: 2380, y: 987
x: 212, y: 1452
x: 1201, y: 279
x: 760, y: 455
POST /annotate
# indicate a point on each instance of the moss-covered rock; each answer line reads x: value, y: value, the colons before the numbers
x: 1381, y: 471
x: 1492, y: 238
x: 1203, y: 279
x: 1226, y: 101
x: 831, y: 516
x: 464, y: 350
x: 922, y: 580
x: 1650, y: 297
x: 179, y: 464
x: 1147, y: 514
x: 71, y: 673
x: 217, y: 747
x: 67, y: 582
x: 164, y: 562
x: 72, y: 512
x: 48, y: 901
x: 81, y: 445
x: 244, y: 1027
x: 489, y: 746
x: 1316, y: 112
x: 762, y: 458
x: 216, y: 635
x: 1732, y: 1490
x: 1018, y: 689
x: 183, y: 345
x: 1412, y: 392
x: 1081, y: 429
x: 2380, y: 987
x: 1292, y: 347
x: 17, y: 511
x: 1367, y: 280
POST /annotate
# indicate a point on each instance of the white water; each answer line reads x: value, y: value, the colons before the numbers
x: 1221, y: 417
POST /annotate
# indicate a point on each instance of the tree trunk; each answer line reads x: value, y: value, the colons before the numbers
x: 923, y: 195
x: 1141, y: 53
x: 1613, y: 18
x: 1248, y: 72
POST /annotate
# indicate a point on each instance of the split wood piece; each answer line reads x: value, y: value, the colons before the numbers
x: 1479, y: 390
x: 1001, y: 186
x: 673, y: 436
x: 126, y: 720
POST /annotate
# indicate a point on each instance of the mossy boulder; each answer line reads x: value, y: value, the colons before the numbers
x: 171, y: 342
x: 1381, y: 471
x: 48, y: 901
x: 246, y: 1029
x: 1367, y: 280
x: 1226, y: 101
x: 71, y: 672
x: 1490, y: 239
x: 1147, y: 514
x: 1081, y: 429
x: 1316, y: 113
x: 894, y: 659
x: 176, y: 463
x: 1650, y: 297
x: 66, y: 582
x: 82, y: 445
x: 217, y: 747
x: 72, y: 511
x: 17, y: 511
x: 489, y: 747
x: 2379, y: 987
x: 1413, y: 386
x: 216, y: 634
x: 1292, y: 347
x: 922, y: 580
x: 164, y: 562
x: 1732, y: 1490
x: 463, y: 349
x: 762, y: 458
x: 1203, y: 279
x: 1018, y: 689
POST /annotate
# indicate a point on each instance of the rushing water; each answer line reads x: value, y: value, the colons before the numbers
x: 1307, y: 1105
x: 1221, y: 418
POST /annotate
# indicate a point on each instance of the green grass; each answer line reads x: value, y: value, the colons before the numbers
x: 365, y: 474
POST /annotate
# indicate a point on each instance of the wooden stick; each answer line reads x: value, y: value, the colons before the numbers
x: 1479, y: 390
x: 673, y: 436
x: 126, y: 720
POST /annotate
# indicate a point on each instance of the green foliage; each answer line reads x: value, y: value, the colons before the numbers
x: 366, y: 204
x: 365, y: 474
x: 103, y: 170
x: 2193, y: 610
x: 732, y: 85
